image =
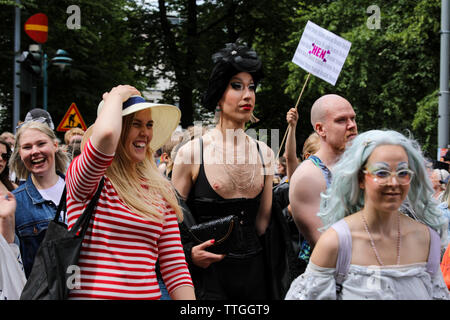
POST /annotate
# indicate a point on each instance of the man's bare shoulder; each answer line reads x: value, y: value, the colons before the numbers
x: 307, y: 183
x: 307, y: 171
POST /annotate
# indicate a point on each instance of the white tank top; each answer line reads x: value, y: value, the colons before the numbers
x: 53, y: 193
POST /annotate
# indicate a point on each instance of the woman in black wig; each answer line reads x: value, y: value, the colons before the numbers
x: 227, y: 172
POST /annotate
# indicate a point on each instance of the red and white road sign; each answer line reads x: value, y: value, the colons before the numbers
x: 36, y: 27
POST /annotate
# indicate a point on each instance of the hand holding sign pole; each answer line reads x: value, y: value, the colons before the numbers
x: 321, y: 53
x: 296, y: 105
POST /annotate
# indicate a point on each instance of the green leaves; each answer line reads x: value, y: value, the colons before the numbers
x: 105, y: 53
x: 391, y: 73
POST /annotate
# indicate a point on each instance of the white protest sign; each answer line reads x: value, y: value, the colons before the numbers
x: 321, y: 52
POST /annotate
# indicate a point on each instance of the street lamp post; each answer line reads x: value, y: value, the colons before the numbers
x: 32, y: 63
x: 44, y: 86
x: 16, y: 108
x: 61, y: 60
x: 444, y: 93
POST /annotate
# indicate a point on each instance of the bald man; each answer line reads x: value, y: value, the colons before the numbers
x: 333, y: 118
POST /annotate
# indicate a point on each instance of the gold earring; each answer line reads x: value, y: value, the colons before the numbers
x: 253, y: 119
x: 217, y: 114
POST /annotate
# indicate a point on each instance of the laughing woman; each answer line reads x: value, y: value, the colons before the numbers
x: 370, y: 249
x: 37, y: 159
x: 135, y: 222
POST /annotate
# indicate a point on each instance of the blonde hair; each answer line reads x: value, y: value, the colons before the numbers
x: 311, y: 145
x: 72, y: 132
x: 169, y: 146
x: 442, y: 174
x: 189, y: 134
x: 15, y: 162
x: 128, y: 180
x: 7, y: 134
x: 446, y: 195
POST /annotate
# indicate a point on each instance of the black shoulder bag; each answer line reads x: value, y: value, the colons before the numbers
x: 57, y: 257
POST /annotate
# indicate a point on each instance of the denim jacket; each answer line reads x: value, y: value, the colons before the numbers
x: 33, y: 214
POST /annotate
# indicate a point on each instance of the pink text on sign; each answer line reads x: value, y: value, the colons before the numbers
x: 319, y: 52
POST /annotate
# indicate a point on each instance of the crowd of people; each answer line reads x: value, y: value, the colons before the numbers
x: 212, y: 213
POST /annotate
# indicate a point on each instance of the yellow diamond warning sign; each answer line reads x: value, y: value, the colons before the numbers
x: 72, y: 119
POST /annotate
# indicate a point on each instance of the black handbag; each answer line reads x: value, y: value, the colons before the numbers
x: 223, y: 230
x: 57, y: 257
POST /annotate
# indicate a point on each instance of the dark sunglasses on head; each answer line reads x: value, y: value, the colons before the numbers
x: 5, y: 156
x: 40, y: 119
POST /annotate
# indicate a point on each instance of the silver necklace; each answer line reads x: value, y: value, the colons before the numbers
x: 237, y: 176
x: 372, y: 243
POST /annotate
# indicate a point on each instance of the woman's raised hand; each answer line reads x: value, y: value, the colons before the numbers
x: 7, y: 219
x: 124, y: 91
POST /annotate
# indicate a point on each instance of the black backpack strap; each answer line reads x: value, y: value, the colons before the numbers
x: 61, y: 206
x: 83, y: 220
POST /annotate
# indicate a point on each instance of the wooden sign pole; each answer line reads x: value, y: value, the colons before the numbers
x: 296, y: 108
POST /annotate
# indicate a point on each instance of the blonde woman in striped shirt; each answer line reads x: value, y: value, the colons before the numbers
x: 135, y: 222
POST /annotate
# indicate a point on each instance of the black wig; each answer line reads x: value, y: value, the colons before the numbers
x: 231, y: 60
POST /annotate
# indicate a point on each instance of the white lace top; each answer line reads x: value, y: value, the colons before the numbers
x: 405, y: 282
x: 419, y: 281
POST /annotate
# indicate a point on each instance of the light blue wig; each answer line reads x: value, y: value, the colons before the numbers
x: 345, y: 197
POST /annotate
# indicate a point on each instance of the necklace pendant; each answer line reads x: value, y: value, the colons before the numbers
x: 372, y: 243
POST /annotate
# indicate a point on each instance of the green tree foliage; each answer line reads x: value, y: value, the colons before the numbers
x: 7, y: 13
x: 182, y: 50
x: 390, y: 76
x: 425, y: 122
x: 391, y: 73
x: 106, y: 51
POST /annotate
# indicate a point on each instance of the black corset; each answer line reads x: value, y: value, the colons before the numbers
x: 246, y: 241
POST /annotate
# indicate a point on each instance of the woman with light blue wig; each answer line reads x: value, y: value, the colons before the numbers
x: 369, y: 249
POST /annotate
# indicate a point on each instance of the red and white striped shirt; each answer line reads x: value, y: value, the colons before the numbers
x: 119, y: 251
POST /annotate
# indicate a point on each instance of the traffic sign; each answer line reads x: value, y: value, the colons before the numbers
x: 36, y: 27
x: 72, y: 119
x: 33, y: 62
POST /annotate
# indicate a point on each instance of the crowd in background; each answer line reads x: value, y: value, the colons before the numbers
x: 297, y: 218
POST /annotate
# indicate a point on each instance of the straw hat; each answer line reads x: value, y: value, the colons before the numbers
x: 165, y: 118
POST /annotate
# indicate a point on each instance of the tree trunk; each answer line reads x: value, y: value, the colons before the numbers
x: 182, y: 65
x: 186, y: 106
